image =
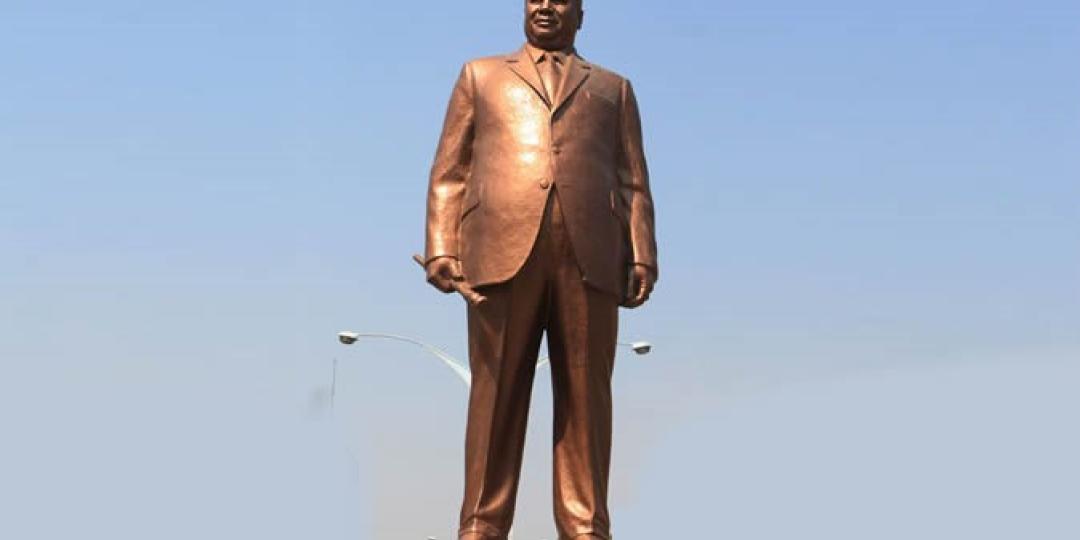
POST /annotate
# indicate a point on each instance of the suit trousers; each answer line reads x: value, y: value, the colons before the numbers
x: 547, y: 294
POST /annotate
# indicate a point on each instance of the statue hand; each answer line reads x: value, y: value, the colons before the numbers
x: 642, y: 279
x: 442, y: 272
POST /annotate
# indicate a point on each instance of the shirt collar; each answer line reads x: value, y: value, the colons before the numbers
x: 537, y: 54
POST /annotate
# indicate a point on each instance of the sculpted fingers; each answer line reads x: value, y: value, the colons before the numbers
x: 641, y: 286
x: 442, y: 272
x: 455, y: 270
x: 642, y: 291
x: 646, y: 290
x: 439, y: 283
x: 634, y: 297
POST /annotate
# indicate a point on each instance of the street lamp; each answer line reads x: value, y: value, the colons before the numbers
x: 349, y: 337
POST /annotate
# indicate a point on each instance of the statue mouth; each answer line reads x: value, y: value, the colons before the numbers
x: 545, y: 22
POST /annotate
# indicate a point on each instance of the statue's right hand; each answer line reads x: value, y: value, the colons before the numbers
x: 442, y: 272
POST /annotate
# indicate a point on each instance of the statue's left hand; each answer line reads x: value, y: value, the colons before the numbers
x: 443, y: 271
x: 642, y: 279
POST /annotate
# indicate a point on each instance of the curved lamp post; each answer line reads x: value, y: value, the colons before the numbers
x: 349, y: 338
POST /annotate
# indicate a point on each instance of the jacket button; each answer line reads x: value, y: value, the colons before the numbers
x: 545, y: 183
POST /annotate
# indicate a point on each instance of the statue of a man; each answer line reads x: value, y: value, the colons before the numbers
x: 539, y: 198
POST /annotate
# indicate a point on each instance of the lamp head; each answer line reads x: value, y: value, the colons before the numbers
x: 641, y: 347
x: 348, y: 338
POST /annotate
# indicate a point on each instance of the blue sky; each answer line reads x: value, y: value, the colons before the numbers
x: 867, y: 324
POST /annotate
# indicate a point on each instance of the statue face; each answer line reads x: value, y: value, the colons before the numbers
x: 552, y: 24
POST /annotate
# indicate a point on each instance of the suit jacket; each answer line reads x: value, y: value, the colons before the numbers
x: 503, y: 147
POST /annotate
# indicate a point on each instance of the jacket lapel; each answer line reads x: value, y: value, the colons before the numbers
x: 522, y: 65
x: 578, y: 72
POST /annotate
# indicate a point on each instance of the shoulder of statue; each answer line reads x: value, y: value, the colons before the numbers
x: 598, y: 69
x: 484, y: 60
x: 485, y: 64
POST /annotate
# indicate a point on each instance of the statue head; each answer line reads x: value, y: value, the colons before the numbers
x: 552, y: 24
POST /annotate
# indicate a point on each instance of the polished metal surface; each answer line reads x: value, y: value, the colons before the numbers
x: 503, y: 146
x: 581, y: 323
x: 539, y: 199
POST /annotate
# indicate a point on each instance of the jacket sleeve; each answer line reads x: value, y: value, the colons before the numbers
x: 450, y: 171
x: 634, y: 181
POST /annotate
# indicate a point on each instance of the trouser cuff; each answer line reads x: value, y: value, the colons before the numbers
x: 587, y: 535
x: 480, y: 531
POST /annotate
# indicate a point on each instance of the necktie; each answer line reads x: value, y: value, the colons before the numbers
x: 549, y: 72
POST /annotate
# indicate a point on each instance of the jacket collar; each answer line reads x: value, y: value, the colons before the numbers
x: 521, y: 63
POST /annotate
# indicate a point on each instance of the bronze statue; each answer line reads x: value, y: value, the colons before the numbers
x: 539, y: 199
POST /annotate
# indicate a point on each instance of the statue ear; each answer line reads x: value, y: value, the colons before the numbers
x: 580, y: 18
